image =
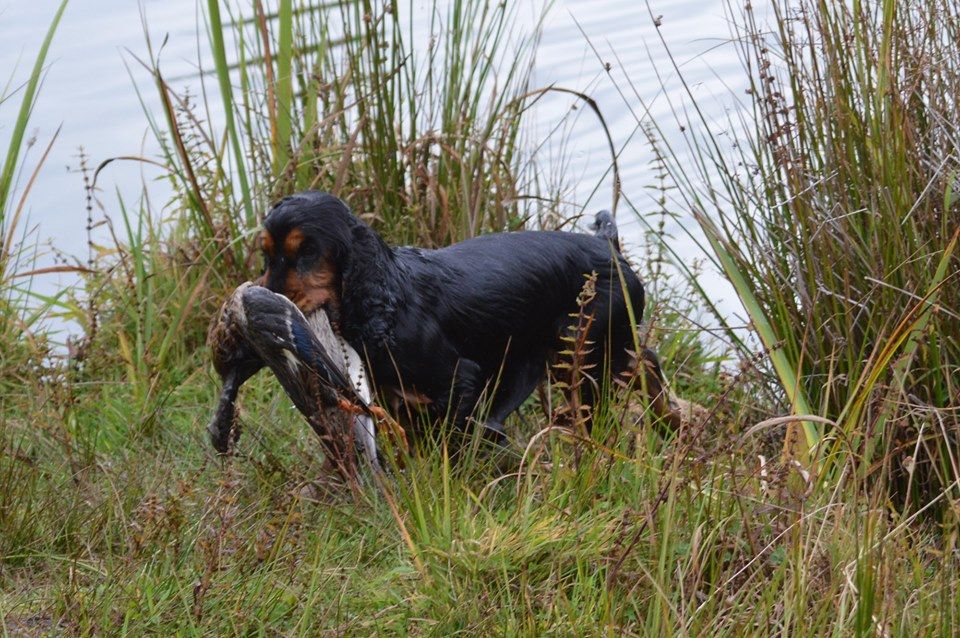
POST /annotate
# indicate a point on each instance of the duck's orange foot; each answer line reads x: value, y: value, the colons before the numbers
x: 398, y: 433
x: 395, y: 429
x: 347, y: 406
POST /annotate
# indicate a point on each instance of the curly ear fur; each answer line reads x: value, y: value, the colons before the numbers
x: 370, y: 286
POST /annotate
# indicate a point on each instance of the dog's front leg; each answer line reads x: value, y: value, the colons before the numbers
x: 429, y: 364
x: 467, y: 387
x: 452, y: 383
x: 462, y: 393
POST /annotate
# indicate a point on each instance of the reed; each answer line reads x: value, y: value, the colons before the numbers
x: 419, y: 135
x: 422, y: 141
x: 21, y: 309
x: 831, y: 217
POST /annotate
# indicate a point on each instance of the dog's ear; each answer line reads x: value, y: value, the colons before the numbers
x: 369, y: 289
x: 360, y: 259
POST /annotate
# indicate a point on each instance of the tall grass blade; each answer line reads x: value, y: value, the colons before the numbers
x: 284, y: 88
x: 226, y: 94
x: 786, y: 371
x: 26, y: 106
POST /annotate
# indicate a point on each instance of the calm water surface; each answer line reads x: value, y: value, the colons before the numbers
x: 88, y: 93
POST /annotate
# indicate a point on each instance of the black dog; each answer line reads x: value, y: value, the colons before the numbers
x: 444, y: 328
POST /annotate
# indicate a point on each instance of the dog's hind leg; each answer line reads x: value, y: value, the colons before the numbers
x: 654, y: 386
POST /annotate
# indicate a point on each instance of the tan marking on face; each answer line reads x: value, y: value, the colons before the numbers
x: 319, y: 287
x: 266, y: 243
x: 291, y: 243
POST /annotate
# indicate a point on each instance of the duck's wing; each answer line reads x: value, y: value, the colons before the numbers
x: 317, y: 369
x: 280, y: 334
x: 310, y: 362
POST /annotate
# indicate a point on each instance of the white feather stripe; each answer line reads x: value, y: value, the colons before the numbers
x: 292, y: 360
x: 364, y: 429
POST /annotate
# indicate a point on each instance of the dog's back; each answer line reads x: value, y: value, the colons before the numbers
x: 517, y: 291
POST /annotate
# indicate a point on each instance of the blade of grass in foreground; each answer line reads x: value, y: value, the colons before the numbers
x: 785, y: 372
x: 19, y: 127
x: 284, y: 83
x: 226, y: 92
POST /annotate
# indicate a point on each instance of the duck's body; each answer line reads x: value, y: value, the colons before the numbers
x: 320, y: 372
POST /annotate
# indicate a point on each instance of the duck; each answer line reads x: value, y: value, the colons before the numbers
x: 320, y: 372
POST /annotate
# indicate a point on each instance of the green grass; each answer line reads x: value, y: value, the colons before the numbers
x: 117, y: 519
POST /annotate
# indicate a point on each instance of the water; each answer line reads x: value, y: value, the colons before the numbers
x: 88, y: 93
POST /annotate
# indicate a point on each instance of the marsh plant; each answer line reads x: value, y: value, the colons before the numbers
x: 835, y: 216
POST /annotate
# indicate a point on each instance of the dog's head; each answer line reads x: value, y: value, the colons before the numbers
x: 319, y: 255
x: 306, y: 242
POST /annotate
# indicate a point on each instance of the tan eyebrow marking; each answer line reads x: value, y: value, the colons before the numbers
x: 292, y: 243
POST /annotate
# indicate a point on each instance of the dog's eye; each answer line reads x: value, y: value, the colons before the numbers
x: 309, y: 250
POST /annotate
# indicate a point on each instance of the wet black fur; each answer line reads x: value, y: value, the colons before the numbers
x: 486, y: 313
